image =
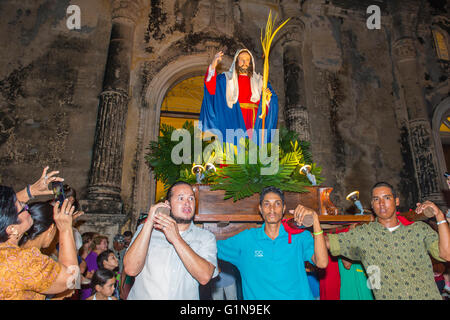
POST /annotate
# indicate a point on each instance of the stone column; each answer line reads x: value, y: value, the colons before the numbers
x: 106, y: 170
x: 103, y: 193
x: 417, y: 123
x: 295, y: 111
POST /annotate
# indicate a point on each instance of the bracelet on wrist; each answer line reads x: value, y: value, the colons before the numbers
x: 317, y: 233
x: 30, y: 196
x: 442, y: 221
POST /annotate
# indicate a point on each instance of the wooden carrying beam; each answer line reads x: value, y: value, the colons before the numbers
x: 211, y: 206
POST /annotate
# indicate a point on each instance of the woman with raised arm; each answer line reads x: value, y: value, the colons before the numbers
x: 25, y: 273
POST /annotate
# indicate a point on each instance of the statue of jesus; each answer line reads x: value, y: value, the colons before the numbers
x: 232, y: 100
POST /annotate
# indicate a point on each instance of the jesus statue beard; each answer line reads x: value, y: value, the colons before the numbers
x: 246, y: 70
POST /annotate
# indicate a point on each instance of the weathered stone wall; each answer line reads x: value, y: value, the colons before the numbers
x: 350, y: 102
x: 50, y: 78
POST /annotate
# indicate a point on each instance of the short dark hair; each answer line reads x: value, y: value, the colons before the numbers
x: 88, y: 236
x: 98, y: 238
x: 384, y: 184
x: 103, y: 257
x: 128, y: 233
x: 270, y: 189
x: 42, y: 215
x: 170, y: 190
x: 100, y: 277
x: 70, y: 192
x: 8, y: 211
x: 120, y: 238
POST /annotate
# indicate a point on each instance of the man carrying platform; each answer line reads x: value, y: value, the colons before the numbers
x: 272, y: 267
x: 394, y: 253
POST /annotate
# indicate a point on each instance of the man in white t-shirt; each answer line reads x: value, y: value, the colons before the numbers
x: 169, y: 255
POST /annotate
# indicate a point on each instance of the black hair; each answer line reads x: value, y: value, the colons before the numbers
x: 170, y: 190
x: 103, y: 257
x: 128, y: 234
x: 100, y: 277
x: 98, y: 238
x: 8, y: 211
x: 270, y: 189
x: 86, y: 237
x: 42, y: 215
x: 70, y: 192
x: 384, y: 184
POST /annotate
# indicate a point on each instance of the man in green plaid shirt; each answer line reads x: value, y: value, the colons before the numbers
x: 394, y: 255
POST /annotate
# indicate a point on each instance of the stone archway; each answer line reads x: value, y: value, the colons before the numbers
x: 149, y: 116
x: 441, y: 112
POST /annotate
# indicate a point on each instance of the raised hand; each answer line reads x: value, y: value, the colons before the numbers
x: 40, y: 187
x: 428, y: 208
x: 168, y: 226
x: 217, y: 59
x: 300, y: 212
x: 268, y: 95
x: 154, y: 210
x: 63, y: 215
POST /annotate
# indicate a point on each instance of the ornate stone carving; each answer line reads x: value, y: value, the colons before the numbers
x: 128, y: 9
x: 404, y: 49
x: 290, y: 8
x: 106, y: 171
x: 422, y: 147
x: 292, y: 33
x: 296, y: 113
x: 297, y: 120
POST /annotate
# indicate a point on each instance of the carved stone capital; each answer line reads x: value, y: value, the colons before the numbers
x: 404, y: 49
x: 292, y: 33
x: 115, y: 93
x: 129, y: 9
x: 290, y: 8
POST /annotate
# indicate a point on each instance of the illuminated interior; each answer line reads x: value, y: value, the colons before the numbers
x: 182, y: 102
x: 444, y: 126
x: 444, y: 132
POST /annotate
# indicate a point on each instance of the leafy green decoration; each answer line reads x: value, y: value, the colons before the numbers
x: 238, y: 180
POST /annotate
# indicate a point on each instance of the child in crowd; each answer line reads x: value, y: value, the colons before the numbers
x: 103, y: 283
x: 99, y: 244
x: 108, y: 260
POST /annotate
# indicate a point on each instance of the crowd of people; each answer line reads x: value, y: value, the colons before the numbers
x: 43, y: 256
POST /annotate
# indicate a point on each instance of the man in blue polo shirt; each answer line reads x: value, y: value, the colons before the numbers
x: 272, y: 268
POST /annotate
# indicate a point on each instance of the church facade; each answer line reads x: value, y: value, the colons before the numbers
x: 367, y: 88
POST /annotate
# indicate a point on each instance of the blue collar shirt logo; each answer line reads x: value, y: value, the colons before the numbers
x: 259, y: 254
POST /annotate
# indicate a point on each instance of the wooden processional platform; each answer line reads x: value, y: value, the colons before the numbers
x: 226, y: 218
